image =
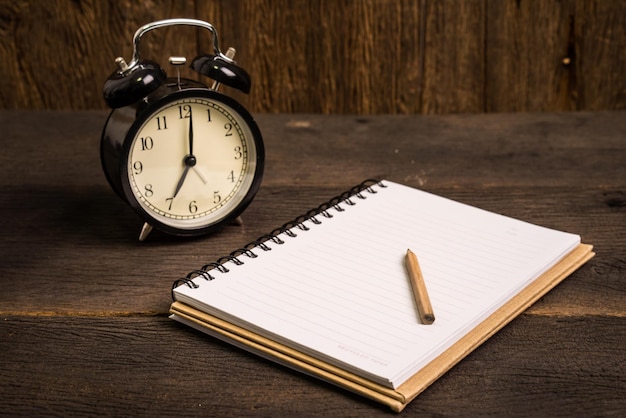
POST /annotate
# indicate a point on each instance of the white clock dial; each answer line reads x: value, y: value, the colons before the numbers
x: 192, y: 162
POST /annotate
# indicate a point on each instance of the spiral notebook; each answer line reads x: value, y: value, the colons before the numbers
x: 328, y: 293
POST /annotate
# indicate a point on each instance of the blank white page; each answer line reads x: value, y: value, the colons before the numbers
x: 340, y: 290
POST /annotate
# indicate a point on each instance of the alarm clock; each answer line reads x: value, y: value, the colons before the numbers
x: 187, y: 158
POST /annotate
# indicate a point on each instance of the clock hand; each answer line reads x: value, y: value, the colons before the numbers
x: 190, y: 162
x: 199, y: 173
x: 190, y: 132
x: 181, y: 181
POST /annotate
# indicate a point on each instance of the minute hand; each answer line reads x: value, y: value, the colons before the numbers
x: 190, y: 132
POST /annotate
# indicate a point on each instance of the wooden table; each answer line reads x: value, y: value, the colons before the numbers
x: 83, y: 306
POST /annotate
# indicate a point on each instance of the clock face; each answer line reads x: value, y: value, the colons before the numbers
x: 194, y: 159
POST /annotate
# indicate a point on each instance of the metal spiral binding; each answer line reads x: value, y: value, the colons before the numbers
x: 287, y: 229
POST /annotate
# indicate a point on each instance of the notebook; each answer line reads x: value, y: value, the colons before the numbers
x: 328, y: 293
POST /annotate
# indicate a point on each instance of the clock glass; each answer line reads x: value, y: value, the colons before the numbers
x: 192, y: 160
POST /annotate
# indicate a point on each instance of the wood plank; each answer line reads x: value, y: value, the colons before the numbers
x: 599, y: 44
x: 576, y: 147
x: 454, y: 57
x: 445, y: 150
x: 526, y: 43
x: 142, y: 366
x: 529, y: 150
x: 274, y: 53
x: 347, y: 57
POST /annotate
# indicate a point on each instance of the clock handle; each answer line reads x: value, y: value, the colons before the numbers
x: 218, y: 66
x: 173, y: 22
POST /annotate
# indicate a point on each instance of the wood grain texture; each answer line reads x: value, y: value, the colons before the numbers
x: 600, y: 37
x: 152, y: 366
x: 323, y: 56
x: 525, y: 45
x: 83, y: 327
x: 454, y: 33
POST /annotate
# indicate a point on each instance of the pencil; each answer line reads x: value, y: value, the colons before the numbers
x: 424, y: 308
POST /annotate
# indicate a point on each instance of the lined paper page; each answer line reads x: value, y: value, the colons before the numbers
x: 340, y: 291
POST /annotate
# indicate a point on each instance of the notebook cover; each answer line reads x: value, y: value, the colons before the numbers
x: 399, y: 398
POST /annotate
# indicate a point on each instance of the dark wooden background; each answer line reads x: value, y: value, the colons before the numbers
x: 328, y: 56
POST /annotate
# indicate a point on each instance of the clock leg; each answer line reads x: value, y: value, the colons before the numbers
x: 145, y: 231
x: 238, y: 221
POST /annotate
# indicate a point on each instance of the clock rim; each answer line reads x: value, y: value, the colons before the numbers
x: 147, y: 113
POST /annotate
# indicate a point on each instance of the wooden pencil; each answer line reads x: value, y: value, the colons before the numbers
x: 424, y: 307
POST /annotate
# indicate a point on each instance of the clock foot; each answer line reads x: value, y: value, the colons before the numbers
x: 145, y: 231
x: 238, y: 221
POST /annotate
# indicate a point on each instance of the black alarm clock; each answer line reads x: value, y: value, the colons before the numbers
x: 187, y: 158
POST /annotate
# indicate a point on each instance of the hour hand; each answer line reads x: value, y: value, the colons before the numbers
x: 181, y: 181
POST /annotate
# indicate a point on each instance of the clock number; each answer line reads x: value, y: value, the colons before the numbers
x: 231, y: 176
x: 170, y: 200
x: 161, y: 123
x: 238, y: 153
x: 146, y: 143
x: 193, y: 208
x: 216, y: 197
x: 209, y: 112
x: 149, y: 192
x: 184, y: 111
x: 138, y: 167
x: 229, y: 128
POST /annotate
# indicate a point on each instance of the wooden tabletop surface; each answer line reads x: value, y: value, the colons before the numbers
x: 83, y: 306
